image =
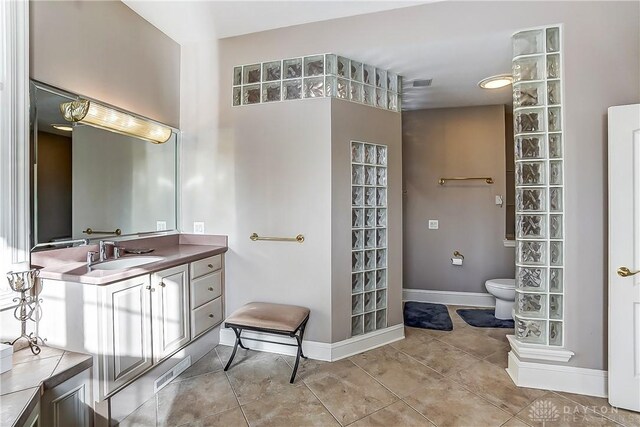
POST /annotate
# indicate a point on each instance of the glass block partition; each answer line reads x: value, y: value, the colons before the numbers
x: 368, y: 237
x: 537, y: 102
x: 315, y: 76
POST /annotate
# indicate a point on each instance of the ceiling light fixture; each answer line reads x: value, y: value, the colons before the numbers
x: 65, y: 128
x: 496, y: 82
x: 100, y: 116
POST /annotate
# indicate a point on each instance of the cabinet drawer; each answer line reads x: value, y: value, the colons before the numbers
x: 206, y: 266
x: 206, y: 288
x: 206, y: 317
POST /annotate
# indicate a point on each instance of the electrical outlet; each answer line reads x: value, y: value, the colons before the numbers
x: 198, y: 228
x: 433, y: 224
x: 161, y: 225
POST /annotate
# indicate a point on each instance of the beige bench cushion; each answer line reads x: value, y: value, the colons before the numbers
x: 278, y: 317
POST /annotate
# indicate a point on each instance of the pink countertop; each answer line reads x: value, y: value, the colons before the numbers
x: 173, y: 254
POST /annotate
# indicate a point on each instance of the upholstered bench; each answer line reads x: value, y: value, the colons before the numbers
x: 278, y: 319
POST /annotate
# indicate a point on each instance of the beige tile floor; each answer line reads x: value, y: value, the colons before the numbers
x: 454, y: 378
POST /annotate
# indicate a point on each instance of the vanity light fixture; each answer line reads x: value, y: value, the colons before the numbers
x: 496, y: 82
x: 65, y: 128
x: 101, y: 116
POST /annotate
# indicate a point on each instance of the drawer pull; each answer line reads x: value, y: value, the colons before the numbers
x: 211, y: 289
x: 210, y: 265
x: 211, y: 316
x: 148, y: 287
x: 162, y: 285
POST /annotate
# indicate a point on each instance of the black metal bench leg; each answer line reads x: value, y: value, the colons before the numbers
x: 304, y: 325
x: 295, y: 368
x: 235, y: 347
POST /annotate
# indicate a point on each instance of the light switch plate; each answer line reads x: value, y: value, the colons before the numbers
x: 433, y: 224
x: 198, y: 228
x: 161, y: 225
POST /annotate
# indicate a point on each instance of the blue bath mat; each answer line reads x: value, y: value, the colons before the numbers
x: 428, y: 316
x: 483, y: 318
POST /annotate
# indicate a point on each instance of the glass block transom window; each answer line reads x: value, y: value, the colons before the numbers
x: 368, y: 237
x: 325, y: 75
x: 538, y: 128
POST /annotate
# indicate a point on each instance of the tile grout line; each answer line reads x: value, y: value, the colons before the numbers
x: 246, y: 420
x: 398, y: 398
x: 463, y: 385
x: 375, y: 412
x: 321, y: 403
x: 424, y: 416
x: 395, y: 394
x: 375, y: 379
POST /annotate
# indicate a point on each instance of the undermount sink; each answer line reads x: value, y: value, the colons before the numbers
x: 128, y: 262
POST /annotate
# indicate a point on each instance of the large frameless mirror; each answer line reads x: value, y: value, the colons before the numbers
x: 98, y: 171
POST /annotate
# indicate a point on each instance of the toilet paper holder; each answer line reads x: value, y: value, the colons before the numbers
x: 457, y: 259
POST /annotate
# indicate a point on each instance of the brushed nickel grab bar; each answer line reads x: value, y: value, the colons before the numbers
x: 91, y: 231
x: 486, y: 179
x: 299, y: 238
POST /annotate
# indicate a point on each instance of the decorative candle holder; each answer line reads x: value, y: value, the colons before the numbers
x: 28, y: 285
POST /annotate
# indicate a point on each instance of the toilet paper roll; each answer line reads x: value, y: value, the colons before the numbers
x: 456, y: 261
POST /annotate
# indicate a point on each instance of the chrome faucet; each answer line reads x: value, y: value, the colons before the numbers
x: 103, y: 249
x: 91, y: 258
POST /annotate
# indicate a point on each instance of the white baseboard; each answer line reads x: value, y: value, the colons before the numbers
x: 592, y: 382
x: 319, y: 350
x: 473, y: 299
x: 539, y: 352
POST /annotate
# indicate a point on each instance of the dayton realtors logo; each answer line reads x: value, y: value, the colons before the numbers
x: 544, y: 411
x: 549, y: 411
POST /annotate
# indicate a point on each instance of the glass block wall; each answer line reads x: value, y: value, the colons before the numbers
x: 537, y: 102
x: 315, y: 76
x: 368, y: 237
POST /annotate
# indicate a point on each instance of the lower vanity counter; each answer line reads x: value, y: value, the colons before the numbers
x: 132, y: 320
x: 39, y: 386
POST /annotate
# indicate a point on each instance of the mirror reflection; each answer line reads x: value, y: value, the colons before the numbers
x: 90, y: 182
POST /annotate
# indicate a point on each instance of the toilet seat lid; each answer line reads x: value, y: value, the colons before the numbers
x: 502, y: 283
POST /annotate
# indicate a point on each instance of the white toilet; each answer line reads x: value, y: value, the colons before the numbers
x: 505, y: 292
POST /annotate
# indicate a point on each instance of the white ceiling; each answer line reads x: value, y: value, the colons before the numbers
x: 456, y: 66
x: 188, y: 21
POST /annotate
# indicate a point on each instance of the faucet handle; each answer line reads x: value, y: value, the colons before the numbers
x: 117, y: 251
x: 91, y: 257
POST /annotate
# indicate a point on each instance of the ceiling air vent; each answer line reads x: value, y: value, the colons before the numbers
x: 422, y: 83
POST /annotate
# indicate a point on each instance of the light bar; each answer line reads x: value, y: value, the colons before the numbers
x: 100, y: 116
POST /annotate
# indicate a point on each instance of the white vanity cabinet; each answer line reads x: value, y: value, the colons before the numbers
x: 126, y: 315
x: 135, y: 324
x: 170, y: 310
x: 206, y: 290
x: 69, y: 403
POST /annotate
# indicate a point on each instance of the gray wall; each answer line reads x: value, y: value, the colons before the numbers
x: 602, y: 64
x: 280, y: 185
x: 454, y: 142
x: 353, y: 122
x: 104, y: 50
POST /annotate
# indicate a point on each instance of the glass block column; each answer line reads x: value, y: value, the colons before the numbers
x: 537, y: 102
x: 368, y: 237
x: 316, y: 76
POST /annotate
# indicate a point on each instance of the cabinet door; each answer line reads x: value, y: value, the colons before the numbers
x: 170, y: 308
x: 127, y: 348
x: 69, y: 404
